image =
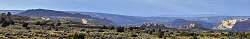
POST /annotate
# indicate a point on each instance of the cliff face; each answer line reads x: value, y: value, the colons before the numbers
x: 227, y: 24
x: 235, y: 25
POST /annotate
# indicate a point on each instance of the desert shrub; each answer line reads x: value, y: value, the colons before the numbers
x: 2, y: 19
x: 111, y: 27
x: 120, y: 29
x: 8, y: 14
x: 7, y: 22
x: 184, y: 34
x: 50, y: 23
x: 100, y: 30
x: 134, y: 35
x: 82, y: 29
x: 58, y: 24
x: 132, y: 28
x: 104, y: 27
x: 45, y: 22
x: 28, y: 27
x: 194, y: 37
x: 160, y: 34
x: 40, y: 23
x: 3, y: 14
x: 149, y: 32
x: 37, y: 23
x: 25, y: 24
x: 78, y: 36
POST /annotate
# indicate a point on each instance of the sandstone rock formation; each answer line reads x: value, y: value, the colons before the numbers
x: 227, y: 24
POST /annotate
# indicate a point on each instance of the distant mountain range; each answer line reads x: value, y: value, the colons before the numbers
x: 211, y: 22
x: 60, y: 14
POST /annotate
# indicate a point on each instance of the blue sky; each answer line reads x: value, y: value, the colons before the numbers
x: 137, y: 7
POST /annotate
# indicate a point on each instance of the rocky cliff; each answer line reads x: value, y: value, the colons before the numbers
x: 235, y: 25
x: 227, y: 24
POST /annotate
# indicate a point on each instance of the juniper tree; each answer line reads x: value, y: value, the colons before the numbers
x: 3, y: 14
x: 58, y: 24
x: 120, y: 29
x: 79, y: 36
x: 8, y: 14
x: 5, y: 24
x: 160, y: 34
x: 25, y: 24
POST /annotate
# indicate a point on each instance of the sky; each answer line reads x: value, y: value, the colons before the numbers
x: 137, y: 7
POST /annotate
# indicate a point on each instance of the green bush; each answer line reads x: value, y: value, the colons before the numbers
x: 160, y: 34
x: 25, y: 24
x: 8, y: 14
x: 3, y: 14
x: 6, y: 22
x: 78, y: 36
x: 120, y: 29
x: 58, y: 24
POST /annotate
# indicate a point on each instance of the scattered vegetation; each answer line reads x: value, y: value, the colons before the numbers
x: 16, y: 27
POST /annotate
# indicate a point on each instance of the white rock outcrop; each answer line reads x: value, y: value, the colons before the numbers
x: 84, y: 21
x: 227, y: 24
x: 45, y: 18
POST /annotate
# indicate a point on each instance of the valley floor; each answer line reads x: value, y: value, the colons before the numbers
x: 18, y: 32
